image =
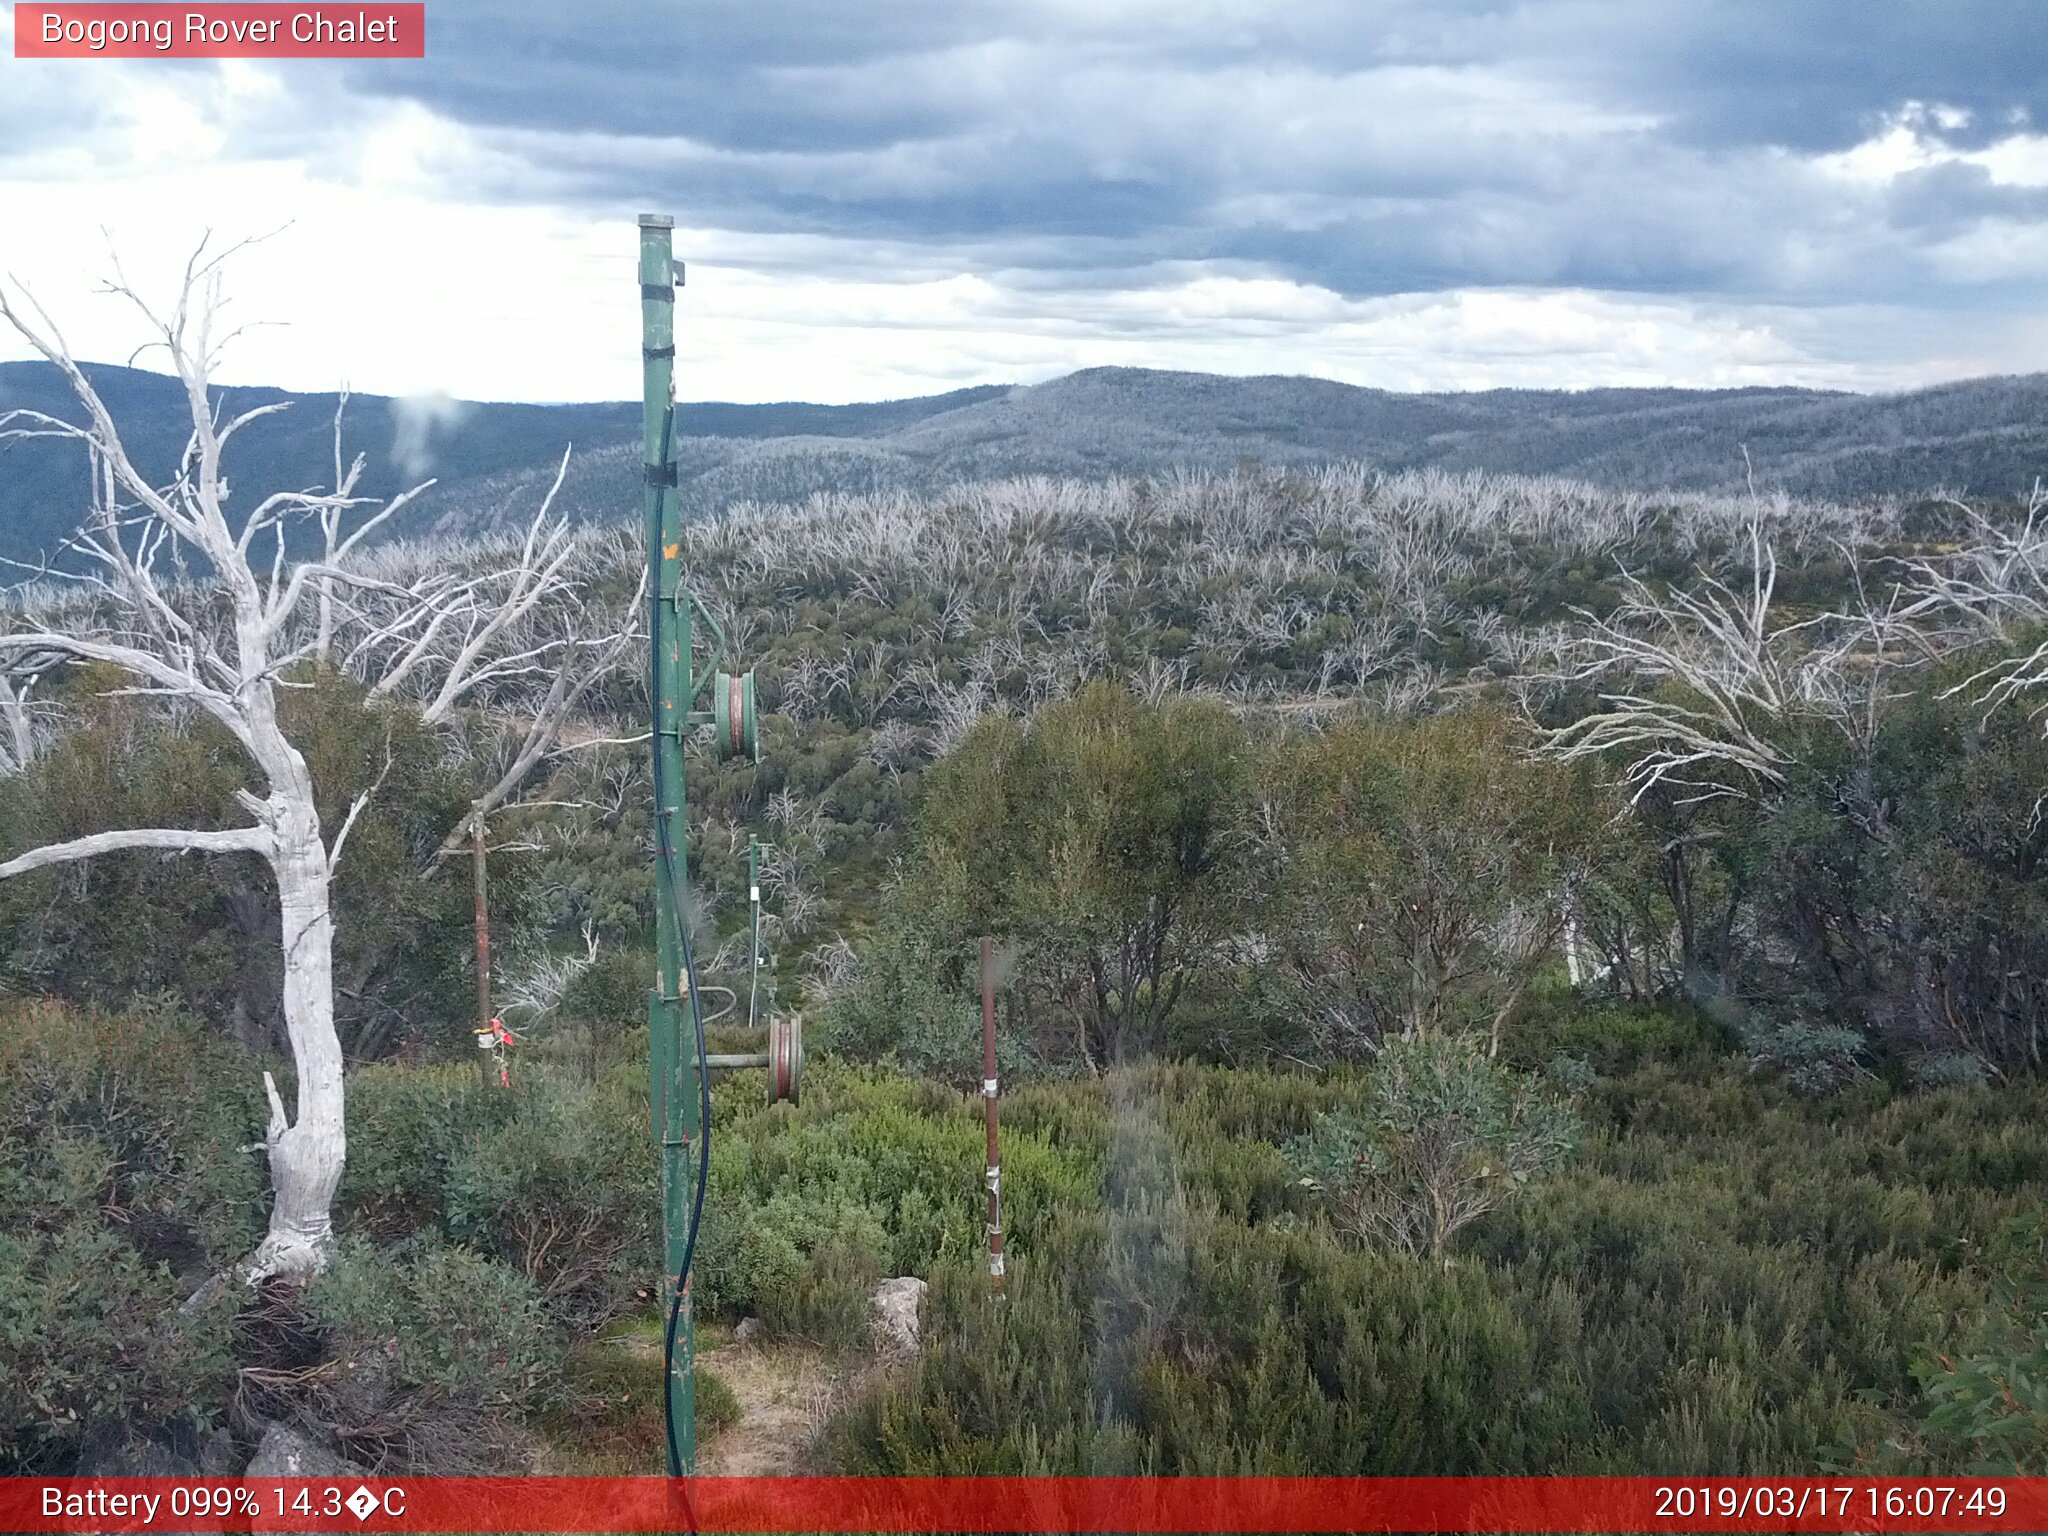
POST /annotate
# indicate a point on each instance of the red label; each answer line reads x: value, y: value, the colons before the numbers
x: 384, y: 1507
x: 372, y: 30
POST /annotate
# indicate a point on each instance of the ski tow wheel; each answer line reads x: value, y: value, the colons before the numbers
x: 784, y: 1058
x: 735, y: 723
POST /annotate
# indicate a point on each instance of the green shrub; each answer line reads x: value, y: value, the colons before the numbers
x: 606, y: 1419
x: 611, y: 1377
x: 1570, y: 1074
x: 123, y: 1184
x: 1987, y: 1399
x: 93, y: 1334
x: 776, y: 1257
x: 1951, y: 1069
x: 827, y: 1301
x: 409, y: 1126
x: 1728, y: 1280
x: 912, y: 1005
x: 1445, y: 1135
x: 718, y: 1409
x: 566, y: 1190
x: 1814, y: 1058
x: 168, y: 1113
x: 555, y: 1175
x: 873, y: 1174
x: 1613, y: 1035
x: 439, y: 1352
x: 610, y: 997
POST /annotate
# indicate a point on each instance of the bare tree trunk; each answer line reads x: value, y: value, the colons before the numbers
x: 306, y: 1155
x: 450, y: 638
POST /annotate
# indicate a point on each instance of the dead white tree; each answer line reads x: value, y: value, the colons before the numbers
x: 21, y: 733
x: 1704, y: 695
x: 527, y: 638
x: 223, y: 643
x: 1994, y: 585
x: 1734, y: 670
x: 536, y: 988
x: 138, y: 620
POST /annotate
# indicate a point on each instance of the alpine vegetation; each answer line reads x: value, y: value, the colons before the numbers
x: 1495, y: 973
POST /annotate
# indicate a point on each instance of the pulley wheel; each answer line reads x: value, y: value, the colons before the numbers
x: 785, y: 1058
x: 735, y: 722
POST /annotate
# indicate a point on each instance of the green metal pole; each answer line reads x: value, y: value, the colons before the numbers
x: 672, y: 1048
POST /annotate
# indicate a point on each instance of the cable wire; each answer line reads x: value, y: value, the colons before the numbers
x: 665, y: 866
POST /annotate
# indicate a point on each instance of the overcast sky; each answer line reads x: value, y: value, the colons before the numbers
x: 903, y: 196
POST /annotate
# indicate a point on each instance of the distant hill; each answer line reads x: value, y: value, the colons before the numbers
x: 1987, y: 436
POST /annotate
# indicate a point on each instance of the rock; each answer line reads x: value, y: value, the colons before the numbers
x: 896, y: 1302
x: 284, y: 1452
x: 749, y: 1329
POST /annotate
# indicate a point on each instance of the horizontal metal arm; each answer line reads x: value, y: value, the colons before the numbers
x: 735, y: 1060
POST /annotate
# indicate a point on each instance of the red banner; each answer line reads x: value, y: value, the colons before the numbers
x: 1017, y: 1504
x: 364, y: 29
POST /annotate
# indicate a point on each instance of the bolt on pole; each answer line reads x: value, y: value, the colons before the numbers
x: 672, y: 1064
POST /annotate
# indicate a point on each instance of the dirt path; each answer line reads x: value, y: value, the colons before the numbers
x: 783, y: 1394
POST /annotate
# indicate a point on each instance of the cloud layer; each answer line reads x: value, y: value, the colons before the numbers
x: 912, y: 195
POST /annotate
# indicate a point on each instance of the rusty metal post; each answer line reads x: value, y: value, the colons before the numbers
x: 988, y: 1099
x: 483, y: 945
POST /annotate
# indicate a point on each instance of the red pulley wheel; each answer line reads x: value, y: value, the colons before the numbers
x: 785, y: 1059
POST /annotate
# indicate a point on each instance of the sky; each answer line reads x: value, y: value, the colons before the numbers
x: 901, y: 197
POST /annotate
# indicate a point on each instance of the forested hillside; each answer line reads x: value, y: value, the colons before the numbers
x: 1986, y: 436
x: 1498, y: 975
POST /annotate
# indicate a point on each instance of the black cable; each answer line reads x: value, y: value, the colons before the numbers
x: 665, y: 864
x: 675, y: 1305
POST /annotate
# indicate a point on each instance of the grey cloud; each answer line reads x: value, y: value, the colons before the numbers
x: 739, y: 75
x: 1812, y: 77
x: 1943, y: 200
x: 1408, y: 146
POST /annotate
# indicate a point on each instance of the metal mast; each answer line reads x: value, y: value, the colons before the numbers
x: 672, y: 1063
x: 678, y: 1066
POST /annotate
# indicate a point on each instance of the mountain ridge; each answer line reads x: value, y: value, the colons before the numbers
x: 494, y: 460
